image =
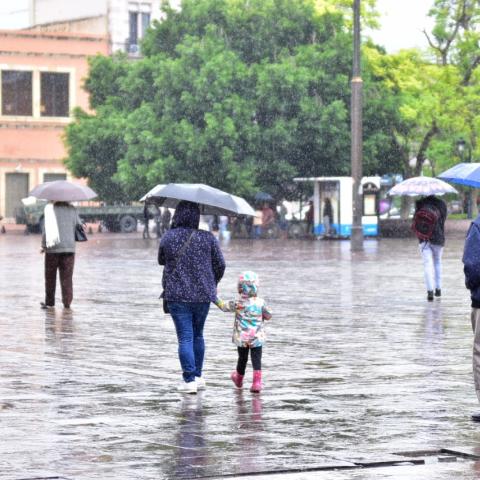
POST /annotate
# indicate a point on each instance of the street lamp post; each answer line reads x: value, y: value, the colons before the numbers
x: 463, y: 148
x: 356, y: 132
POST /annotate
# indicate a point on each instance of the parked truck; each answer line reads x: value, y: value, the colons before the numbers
x: 116, y: 218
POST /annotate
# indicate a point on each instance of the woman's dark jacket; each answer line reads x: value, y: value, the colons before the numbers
x: 471, y: 262
x: 438, y: 237
x: 201, y: 266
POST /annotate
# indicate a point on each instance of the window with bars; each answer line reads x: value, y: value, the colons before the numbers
x: 16, y: 92
x: 54, y: 94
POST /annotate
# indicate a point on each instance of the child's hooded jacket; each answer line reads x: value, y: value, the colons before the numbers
x: 250, y: 312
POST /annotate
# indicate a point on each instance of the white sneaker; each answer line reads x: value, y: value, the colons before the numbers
x: 201, y: 384
x: 190, y: 387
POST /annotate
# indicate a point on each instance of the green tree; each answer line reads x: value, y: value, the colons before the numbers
x: 95, y: 145
x: 241, y: 94
x: 436, y: 91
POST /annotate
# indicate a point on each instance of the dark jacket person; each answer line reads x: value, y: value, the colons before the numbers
x: 471, y: 268
x: 190, y: 278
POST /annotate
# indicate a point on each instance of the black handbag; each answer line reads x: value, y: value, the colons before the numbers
x: 80, y: 235
x: 179, y: 256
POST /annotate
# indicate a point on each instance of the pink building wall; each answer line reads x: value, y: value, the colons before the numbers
x: 33, y: 145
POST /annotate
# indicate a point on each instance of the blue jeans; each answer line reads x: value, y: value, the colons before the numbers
x: 432, y: 264
x: 189, y: 319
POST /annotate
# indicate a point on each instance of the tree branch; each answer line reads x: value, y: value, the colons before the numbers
x: 423, y: 147
x: 468, y: 74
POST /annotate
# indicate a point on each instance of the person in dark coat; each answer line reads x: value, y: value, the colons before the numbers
x: 309, y: 217
x: 146, y: 220
x: 432, y: 249
x: 165, y: 220
x: 190, y: 279
x: 327, y: 216
x: 471, y: 269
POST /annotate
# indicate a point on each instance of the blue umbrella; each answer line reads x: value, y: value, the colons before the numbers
x: 463, y: 174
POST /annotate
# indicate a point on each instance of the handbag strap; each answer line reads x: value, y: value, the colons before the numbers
x: 182, y: 251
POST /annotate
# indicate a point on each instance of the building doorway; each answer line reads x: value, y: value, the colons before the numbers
x: 16, y: 188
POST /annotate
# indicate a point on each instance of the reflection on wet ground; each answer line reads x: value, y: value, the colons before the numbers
x: 357, y: 366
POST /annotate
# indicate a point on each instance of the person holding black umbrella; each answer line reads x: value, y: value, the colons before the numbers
x: 193, y: 266
x: 59, y: 224
x: 58, y: 244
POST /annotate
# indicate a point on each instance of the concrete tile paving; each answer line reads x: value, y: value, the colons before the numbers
x: 357, y: 366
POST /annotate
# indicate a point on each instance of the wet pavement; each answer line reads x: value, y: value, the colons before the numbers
x: 361, y: 373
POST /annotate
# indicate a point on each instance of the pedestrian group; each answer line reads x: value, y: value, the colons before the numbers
x: 194, y: 265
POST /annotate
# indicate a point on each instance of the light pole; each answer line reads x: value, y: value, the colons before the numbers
x: 356, y: 243
x: 463, y: 148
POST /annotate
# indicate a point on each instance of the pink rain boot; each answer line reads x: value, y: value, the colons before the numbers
x: 257, y: 381
x: 237, y: 379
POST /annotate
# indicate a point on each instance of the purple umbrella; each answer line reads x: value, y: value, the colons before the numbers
x: 62, y: 191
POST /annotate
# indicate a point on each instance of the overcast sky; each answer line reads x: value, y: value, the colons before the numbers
x: 402, y: 24
x: 402, y: 21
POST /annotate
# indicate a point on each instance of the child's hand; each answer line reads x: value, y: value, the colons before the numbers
x: 225, y: 306
x: 219, y: 303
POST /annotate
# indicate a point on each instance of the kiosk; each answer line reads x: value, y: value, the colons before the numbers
x: 337, y: 191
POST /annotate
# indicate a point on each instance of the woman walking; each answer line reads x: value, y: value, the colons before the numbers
x: 193, y: 266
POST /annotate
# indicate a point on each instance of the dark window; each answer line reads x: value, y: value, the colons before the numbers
x: 145, y: 23
x: 51, y: 177
x: 54, y: 101
x: 133, y: 39
x: 16, y: 92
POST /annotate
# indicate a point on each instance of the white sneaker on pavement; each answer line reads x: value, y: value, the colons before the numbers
x: 190, y: 387
x: 201, y: 384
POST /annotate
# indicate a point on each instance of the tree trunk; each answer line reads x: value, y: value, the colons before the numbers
x: 422, y: 151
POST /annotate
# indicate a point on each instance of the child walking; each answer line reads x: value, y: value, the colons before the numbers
x: 248, y: 332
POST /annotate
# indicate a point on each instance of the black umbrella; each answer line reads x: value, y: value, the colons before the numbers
x: 212, y: 201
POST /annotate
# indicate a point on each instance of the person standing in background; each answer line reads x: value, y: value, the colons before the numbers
x: 146, y: 221
x: 431, y: 244
x: 327, y: 216
x: 309, y: 218
x: 257, y: 224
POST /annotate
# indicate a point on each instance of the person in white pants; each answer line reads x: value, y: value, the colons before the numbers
x: 432, y: 248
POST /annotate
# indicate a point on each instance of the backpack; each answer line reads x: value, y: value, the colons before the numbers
x: 424, y: 222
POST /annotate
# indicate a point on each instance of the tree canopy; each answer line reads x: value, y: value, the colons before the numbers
x: 241, y: 94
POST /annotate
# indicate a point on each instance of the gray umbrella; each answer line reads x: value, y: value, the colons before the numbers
x: 211, y: 200
x: 62, y: 191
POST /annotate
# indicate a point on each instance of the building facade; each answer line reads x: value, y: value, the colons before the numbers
x: 123, y: 21
x: 41, y: 76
